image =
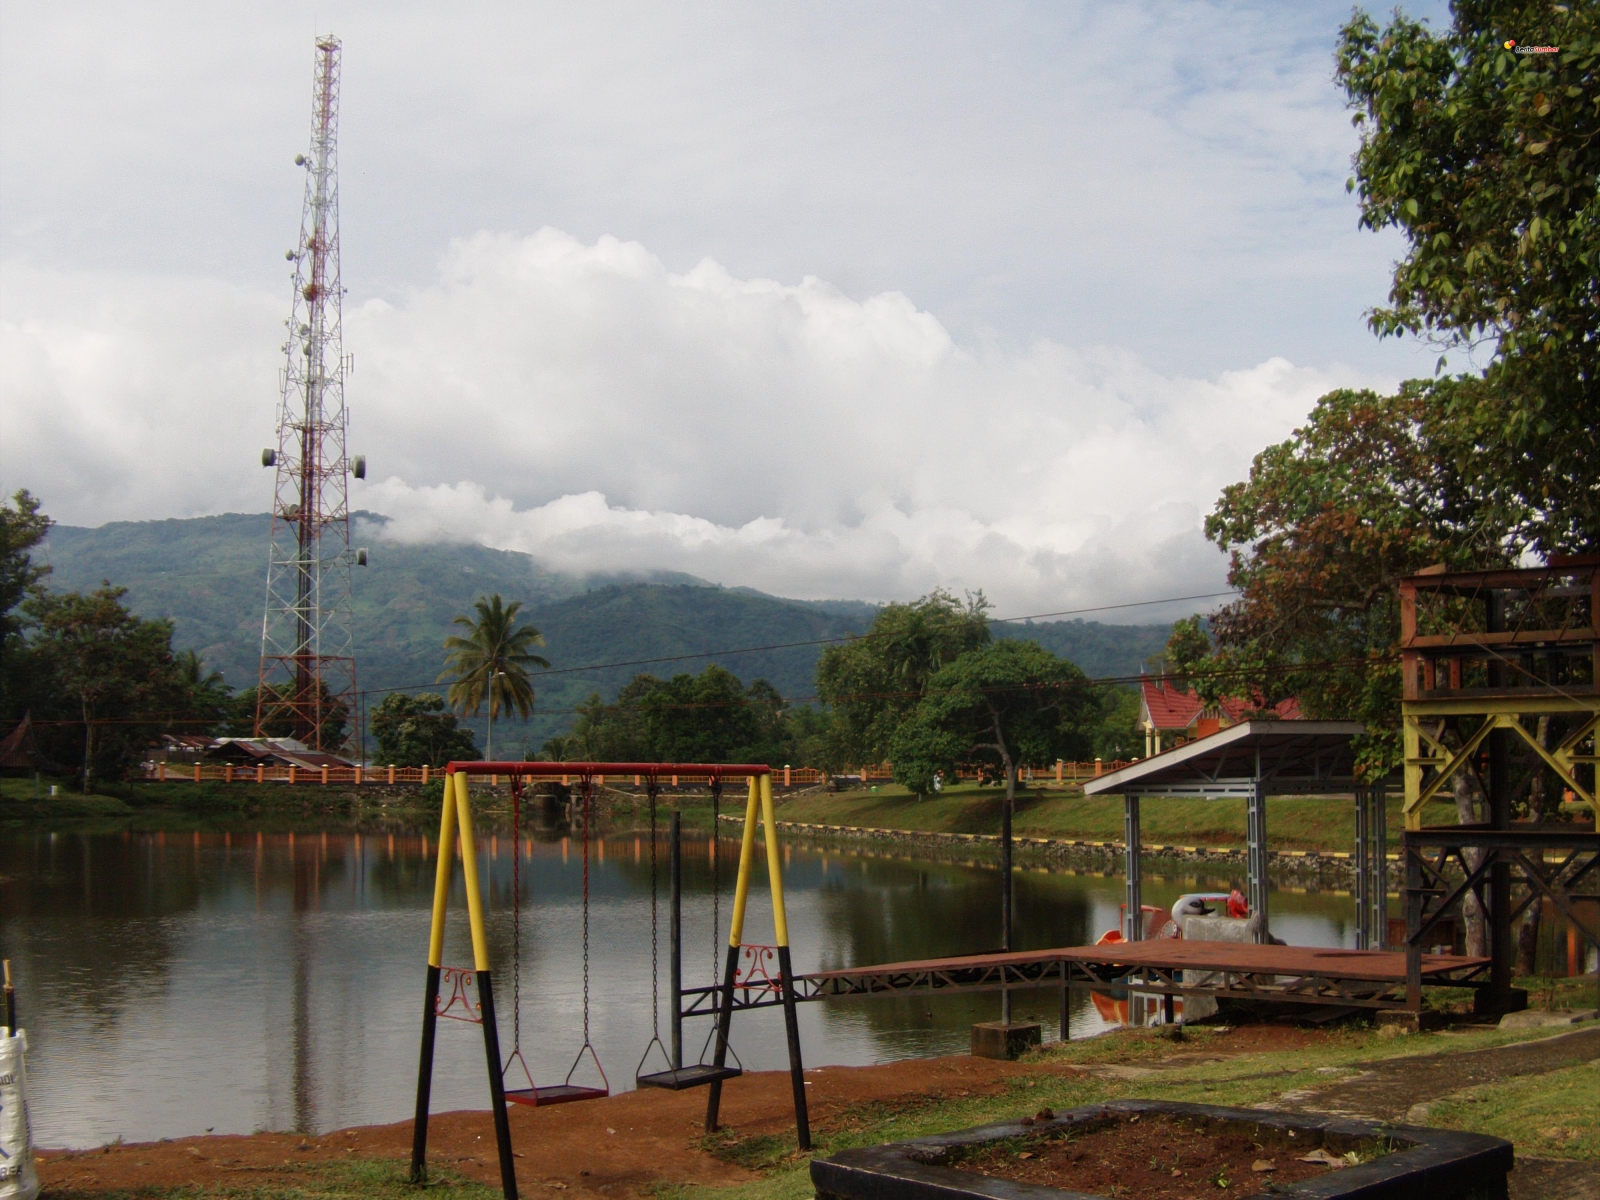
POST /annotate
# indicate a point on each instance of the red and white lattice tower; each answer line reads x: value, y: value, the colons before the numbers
x: 308, y: 671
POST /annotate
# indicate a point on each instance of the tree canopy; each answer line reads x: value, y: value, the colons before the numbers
x: 710, y: 717
x: 415, y: 731
x: 874, y: 682
x: 490, y: 664
x: 1005, y: 704
x: 1486, y: 156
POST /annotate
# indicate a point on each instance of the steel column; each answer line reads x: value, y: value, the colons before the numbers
x: 1363, y: 872
x: 1256, y: 854
x: 1133, y: 917
x: 676, y: 922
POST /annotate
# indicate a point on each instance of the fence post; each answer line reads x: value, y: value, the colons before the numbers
x: 358, y: 772
x: 1058, y: 770
x: 261, y: 772
x: 324, y: 776
x: 391, y: 772
x: 785, y: 774
x: 197, y: 772
x: 1099, y: 768
x: 161, y: 771
x: 291, y: 773
x: 424, y: 772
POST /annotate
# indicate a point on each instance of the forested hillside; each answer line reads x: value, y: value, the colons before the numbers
x: 207, y: 575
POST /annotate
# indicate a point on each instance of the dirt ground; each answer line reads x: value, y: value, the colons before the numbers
x: 609, y: 1147
x: 621, y: 1145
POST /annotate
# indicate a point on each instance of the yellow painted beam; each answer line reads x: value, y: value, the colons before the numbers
x: 441, y: 879
x: 774, y: 862
x: 747, y: 854
x: 469, y: 876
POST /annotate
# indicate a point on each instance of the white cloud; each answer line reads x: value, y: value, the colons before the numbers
x: 586, y: 404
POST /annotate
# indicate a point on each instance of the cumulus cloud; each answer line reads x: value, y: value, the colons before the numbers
x: 586, y: 404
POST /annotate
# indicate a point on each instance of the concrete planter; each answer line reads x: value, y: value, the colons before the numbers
x: 1428, y: 1164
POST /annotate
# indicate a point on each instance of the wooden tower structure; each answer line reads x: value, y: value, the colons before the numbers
x: 1501, y: 683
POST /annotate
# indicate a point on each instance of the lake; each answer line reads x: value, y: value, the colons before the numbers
x: 175, y: 984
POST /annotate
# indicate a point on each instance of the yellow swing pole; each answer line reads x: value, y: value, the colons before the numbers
x: 430, y: 1003
x: 759, y: 808
x: 457, y: 818
x: 741, y: 894
x: 780, y: 921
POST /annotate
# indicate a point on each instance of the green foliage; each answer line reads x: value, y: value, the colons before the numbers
x: 706, y: 718
x: 1488, y: 161
x: 1319, y: 535
x: 116, y: 670
x: 491, y: 663
x: 1006, y: 704
x: 874, y: 682
x: 1188, y: 648
x: 415, y: 731
x: 22, y: 528
x: 1118, y: 735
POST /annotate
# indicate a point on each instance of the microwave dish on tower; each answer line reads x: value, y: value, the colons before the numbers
x: 307, y: 682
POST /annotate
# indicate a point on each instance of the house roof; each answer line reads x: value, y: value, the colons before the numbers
x: 1285, y: 757
x: 1171, y: 709
x: 18, y: 750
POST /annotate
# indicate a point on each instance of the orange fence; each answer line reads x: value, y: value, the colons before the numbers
x: 1060, y: 772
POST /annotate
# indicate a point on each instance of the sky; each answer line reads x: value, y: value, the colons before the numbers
x: 826, y: 299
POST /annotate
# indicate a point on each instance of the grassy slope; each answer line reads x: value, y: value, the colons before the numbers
x: 1295, y: 823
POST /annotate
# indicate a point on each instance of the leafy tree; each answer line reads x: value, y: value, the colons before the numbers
x: 1188, y: 647
x: 490, y: 664
x: 710, y: 717
x: 1488, y: 161
x: 22, y: 528
x: 1005, y: 704
x: 1117, y: 735
x: 415, y: 731
x: 874, y: 682
x: 118, y: 670
x: 208, y: 700
x: 1318, y: 537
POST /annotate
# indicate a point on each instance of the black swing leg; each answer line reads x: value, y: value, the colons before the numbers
x: 497, y: 1087
x: 724, y: 1019
x: 791, y: 1026
x: 419, y: 1125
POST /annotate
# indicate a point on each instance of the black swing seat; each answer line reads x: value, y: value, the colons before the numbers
x: 684, y: 1078
x: 561, y: 1093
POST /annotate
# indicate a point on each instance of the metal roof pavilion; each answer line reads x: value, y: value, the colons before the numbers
x: 1254, y: 760
x: 1280, y: 758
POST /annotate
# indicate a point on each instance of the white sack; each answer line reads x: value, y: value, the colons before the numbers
x: 18, y: 1179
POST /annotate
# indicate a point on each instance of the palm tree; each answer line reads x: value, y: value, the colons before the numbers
x: 491, y: 663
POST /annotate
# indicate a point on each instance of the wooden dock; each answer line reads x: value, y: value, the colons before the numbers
x: 1374, y: 979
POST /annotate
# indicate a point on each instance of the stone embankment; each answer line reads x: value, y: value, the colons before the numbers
x: 1329, y: 866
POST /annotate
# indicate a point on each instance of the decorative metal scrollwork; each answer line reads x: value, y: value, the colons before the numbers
x: 457, y: 980
x: 758, y: 968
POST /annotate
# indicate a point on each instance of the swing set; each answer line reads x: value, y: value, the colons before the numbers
x: 447, y: 992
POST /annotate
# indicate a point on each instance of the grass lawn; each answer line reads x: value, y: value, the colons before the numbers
x: 1547, y: 1116
x: 1293, y: 822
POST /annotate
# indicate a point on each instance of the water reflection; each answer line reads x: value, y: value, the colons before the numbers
x: 175, y: 983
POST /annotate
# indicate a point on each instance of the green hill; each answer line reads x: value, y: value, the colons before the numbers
x: 207, y: 575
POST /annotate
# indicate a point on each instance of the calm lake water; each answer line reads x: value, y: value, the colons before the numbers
x: 174, y: 984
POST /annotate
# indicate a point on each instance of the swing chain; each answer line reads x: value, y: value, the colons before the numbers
x: 588, y: 794
x: 716, y: 882
x: 516, y: 915
x: 655, y: 948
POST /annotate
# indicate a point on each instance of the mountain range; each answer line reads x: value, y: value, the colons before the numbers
x: 207, y: 575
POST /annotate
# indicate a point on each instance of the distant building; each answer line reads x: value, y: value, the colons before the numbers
x: 246, y: 751
x: 1171, y: 718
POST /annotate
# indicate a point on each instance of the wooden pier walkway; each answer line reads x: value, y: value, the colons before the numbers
x: 1373, y: 979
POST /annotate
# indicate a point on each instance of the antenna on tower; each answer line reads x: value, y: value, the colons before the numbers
x: 307, y: 683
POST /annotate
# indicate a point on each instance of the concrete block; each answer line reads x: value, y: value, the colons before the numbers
x: 996, y: 1039
x: 1530, y: 1018
x: 1486, y: 1002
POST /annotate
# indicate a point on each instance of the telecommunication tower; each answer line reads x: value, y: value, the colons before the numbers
x: 308, y: 670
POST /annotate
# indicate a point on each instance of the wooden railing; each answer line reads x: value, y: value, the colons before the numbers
x: 1060, y: 772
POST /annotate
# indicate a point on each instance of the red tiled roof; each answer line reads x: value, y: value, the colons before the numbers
x: 1172, y: 709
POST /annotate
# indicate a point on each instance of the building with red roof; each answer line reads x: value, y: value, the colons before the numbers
x: 1170, y: 717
